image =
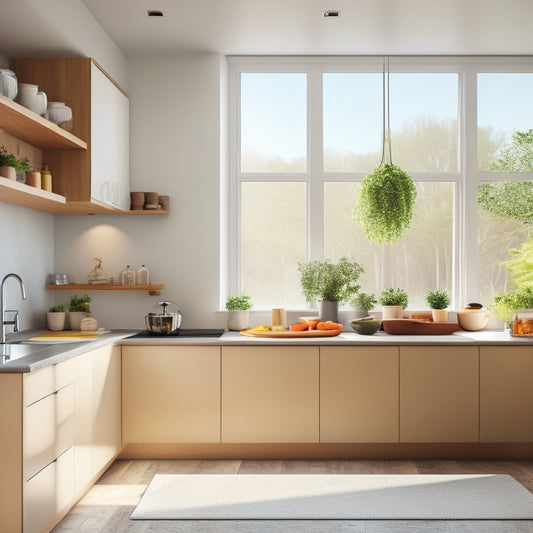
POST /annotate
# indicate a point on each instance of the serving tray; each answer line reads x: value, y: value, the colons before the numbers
x: 409, y: 326
x: 291, y: 334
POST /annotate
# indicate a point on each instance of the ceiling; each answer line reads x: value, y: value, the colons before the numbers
x: 298, y: 27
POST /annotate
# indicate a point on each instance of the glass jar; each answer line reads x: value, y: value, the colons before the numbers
x: 143, y: 276
x: 127, y: 276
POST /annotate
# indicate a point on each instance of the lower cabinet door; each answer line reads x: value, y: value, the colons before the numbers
x: 359, y: 393
x: 270, y: 394
x: 170, y: 394
x: 439, y: 394
x: 48, y: 492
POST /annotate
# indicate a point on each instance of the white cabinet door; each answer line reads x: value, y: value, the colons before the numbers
x: 109, y: 141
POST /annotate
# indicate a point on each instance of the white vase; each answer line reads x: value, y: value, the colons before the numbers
x: 75, y: 318
x: 56, y: 321
x: 391, y: 312
x: 238, y: 320
x: 439, y: 315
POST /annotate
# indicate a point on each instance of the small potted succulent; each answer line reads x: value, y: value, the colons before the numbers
x: 438, y: 300
x: 78, y: 310
x: 11, y: 164
x: 56, y: 317
x: 238, y: 312
x: 394, y: 301
x: 363, y: 303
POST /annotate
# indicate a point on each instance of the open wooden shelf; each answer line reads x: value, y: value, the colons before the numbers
x: 34, y: 129
x: 153, y: 290
x: 15, y: 192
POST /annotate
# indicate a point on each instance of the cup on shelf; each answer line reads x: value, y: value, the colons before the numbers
x: 164, y: 202
x: 151, y: 200
x: 33, y: 178
x: 137, y: 200
x: 8, y: 83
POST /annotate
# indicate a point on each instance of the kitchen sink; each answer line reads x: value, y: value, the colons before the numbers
x: 11, y: 351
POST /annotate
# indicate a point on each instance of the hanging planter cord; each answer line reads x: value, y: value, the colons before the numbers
x: 386, y: 155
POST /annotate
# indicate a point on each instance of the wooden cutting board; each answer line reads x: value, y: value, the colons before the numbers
x: 68, y: 336
x: 291, y: 334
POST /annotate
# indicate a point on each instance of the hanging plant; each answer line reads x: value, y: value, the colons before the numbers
x: 385, y: 203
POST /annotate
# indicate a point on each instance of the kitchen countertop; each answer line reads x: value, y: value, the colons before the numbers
x: 50, y: 354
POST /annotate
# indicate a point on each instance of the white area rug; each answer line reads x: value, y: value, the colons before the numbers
x: 330, y: 497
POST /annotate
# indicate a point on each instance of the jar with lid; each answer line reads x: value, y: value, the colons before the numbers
x: 143, y: 276
x: 127, y: 276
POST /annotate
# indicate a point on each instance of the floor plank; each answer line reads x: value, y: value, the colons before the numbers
x: 106, y: 508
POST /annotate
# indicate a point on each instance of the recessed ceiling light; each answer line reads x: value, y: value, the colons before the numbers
x: 154, y: 13
x: 332, y: 13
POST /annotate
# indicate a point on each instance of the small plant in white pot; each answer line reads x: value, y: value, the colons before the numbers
x: 238, y: 312
x: 56, y: 317
x: 78, y: 310
x: 438, y: 300
x: 394, y: 301
x: 362, y: 303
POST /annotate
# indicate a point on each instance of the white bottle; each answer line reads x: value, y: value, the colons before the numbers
x: 128, y: 276
x: 143, y: 276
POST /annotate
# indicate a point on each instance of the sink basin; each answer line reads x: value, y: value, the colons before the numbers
x: 11, y: 352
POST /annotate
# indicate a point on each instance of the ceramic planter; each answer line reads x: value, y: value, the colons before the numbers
x: 8, y: 172
x: 75, y: 318
x: 56, y: 321
x: 238, y: 320
x: 328, y: 310
x: 439, y: 315
x: 392, y: 311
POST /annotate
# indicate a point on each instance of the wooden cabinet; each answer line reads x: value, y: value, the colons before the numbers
x: 439, y: 393
x: 93, y: 180
x: 270, y: 394
x: 506, y: 393
x: 359, y: 394
x: 171, y: 394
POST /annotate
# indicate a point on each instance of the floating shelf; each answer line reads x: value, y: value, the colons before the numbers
x: 34, y: 129
x: 153, y: 290
x: 15, y: 192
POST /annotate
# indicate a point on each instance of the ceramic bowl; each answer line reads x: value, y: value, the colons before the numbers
x: 8, y: 83
x: 58, y: 112
x: 366, y: 326
x: 472, y: 319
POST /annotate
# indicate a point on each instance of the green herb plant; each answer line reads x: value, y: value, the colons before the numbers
x: 80, y: 304
x: 438, y: 299
x: 327, y: 281
x: 61, y: 308
x: 394, y: 297
x: 239, y: 303
x: 363, y: 301
x: 10, y: 160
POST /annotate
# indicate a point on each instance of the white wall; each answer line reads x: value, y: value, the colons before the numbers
x: 174, y: 150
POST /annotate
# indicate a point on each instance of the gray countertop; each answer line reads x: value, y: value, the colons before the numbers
x: 49, y: 354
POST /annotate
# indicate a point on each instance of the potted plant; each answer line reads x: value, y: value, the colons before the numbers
x: 329, y: 283
x: 394, y: 301
x: 238, y: 312
x: 505, y: 304
x: 56, y: 317
x: 11, y: 164
x: 363, y: 303
x: 438, y: 300
x: 78, y: 310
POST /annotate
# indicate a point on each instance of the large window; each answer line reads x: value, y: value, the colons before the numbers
x: 304, y: 134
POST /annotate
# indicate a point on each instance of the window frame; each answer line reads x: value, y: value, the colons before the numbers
x: 466, y: 179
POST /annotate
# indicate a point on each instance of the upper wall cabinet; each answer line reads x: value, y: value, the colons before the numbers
x: 95, y: 180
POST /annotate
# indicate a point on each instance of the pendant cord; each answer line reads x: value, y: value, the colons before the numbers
x: 386, y: 114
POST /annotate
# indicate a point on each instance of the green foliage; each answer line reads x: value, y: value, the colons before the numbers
x: 10, y: 160
x: 438, y: 299
x: 327, y: 281
x: 518, y: 156
x: 385, y: 204
x: 61, y: 308
x: 505, y: 304
x: 394, y: 297
x: 80, y: 304
x: 363, y: 301
x: 521, y: 265
x: 511, y: 199
x: 239, y: 303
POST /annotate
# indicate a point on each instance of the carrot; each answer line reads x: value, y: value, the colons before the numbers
x: 329, y: 325
x: 299, y: 326
x: 312, y: 323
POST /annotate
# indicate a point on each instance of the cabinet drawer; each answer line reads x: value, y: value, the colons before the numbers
x: 47, y: 493
x: 46, y: 381
x: 48, y: 428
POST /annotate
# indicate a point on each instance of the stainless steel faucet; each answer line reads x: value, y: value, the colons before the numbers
x: 15, y: 322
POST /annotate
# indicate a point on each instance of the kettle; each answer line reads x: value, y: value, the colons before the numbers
x: 164, y: 319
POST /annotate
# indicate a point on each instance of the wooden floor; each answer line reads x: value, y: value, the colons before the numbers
x: 108, y: 505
